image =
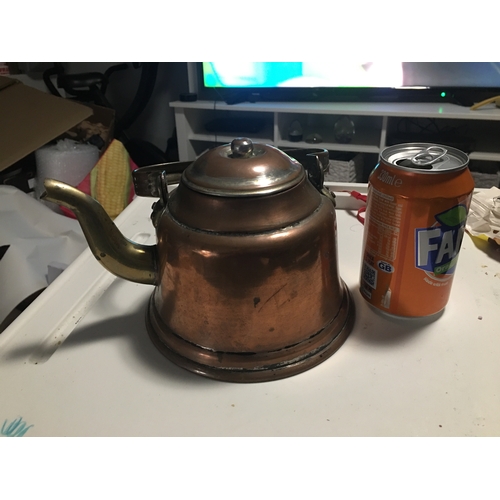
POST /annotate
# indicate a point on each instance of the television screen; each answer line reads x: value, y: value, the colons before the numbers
x: 359, y: 79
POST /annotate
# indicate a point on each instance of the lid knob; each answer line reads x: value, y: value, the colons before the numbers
x: 241, y: 147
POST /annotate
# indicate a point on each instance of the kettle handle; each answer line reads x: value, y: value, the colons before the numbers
x: 316, y: 162
x: 149, y: 181
x: 152, y: 181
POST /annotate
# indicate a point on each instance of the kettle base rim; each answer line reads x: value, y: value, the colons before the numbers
x: 253, y: 367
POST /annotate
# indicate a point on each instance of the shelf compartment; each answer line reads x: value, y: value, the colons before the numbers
x: 205, y: 124
x: 366, y: 131
x: 377, y: 125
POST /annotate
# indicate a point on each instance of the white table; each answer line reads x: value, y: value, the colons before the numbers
x: 103, y: 377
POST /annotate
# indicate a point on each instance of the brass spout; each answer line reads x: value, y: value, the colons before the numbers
x: 120, y: 256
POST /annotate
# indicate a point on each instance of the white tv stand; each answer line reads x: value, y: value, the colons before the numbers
x: 376, y: 124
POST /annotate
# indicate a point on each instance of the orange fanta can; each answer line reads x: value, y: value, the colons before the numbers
x: 418, y: 199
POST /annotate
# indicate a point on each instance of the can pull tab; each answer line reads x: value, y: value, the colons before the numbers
x: 429, y: 156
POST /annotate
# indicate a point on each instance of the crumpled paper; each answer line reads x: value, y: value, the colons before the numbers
x: 32, y: 238
x: 483, y: 220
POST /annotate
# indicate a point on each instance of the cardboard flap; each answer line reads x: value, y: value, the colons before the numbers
x: 29, y: 119
x: 5, y: 82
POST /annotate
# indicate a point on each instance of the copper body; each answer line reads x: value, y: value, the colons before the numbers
x: 245, y: 269
x: 250, y: 306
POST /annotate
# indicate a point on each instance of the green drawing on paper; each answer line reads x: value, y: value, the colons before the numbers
x: 16, y: 428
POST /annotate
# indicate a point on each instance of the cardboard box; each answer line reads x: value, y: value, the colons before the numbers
x: 29, y: 119
x: 101, y: 123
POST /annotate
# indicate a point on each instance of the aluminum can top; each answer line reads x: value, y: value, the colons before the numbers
x: 425, y: 158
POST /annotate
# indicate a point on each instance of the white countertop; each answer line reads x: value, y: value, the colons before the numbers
x: 103, y: 377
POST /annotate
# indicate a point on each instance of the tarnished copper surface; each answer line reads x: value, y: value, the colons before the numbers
x: 246, y: 270
x: 244, y: 214
x: 246, y: 367
x: 254, y: 292
x: 226, y: 171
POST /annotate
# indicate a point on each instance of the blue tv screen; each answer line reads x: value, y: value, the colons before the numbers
x: 351, y: 74
x: 358, y: 79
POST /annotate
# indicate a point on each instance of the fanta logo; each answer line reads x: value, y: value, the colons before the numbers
x: 437, y: 247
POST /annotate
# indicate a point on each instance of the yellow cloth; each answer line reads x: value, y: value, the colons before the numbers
x: 111, y: 178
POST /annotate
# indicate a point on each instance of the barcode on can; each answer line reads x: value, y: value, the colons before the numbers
x: 369, y: 275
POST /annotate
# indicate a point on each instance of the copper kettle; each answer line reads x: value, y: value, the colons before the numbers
x: 245, y: 268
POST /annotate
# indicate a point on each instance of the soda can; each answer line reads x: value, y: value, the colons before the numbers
x: 418, y: 199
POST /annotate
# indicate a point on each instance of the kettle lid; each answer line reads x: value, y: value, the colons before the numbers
x: 243, y: 169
